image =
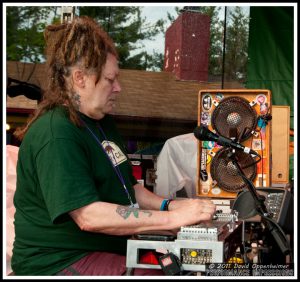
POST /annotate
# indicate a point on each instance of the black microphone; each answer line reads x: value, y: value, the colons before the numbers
x: 204, y: 134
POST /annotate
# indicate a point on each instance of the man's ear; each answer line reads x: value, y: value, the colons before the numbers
x: 78, y: 78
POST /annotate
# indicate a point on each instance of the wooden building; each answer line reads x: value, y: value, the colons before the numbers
x: 152, y: 106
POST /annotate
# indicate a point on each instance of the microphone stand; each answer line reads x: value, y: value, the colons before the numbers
x: 277, y: 233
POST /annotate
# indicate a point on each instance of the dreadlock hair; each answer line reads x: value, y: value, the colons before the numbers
x: 82, y: 43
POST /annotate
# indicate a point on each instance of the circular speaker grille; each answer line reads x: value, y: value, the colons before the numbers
x: 234, y: 113
x: 225, y: 173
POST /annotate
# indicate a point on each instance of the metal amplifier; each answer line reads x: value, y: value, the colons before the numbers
x: 195, y: 245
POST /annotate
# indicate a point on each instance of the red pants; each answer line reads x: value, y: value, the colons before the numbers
x: 103, y: 263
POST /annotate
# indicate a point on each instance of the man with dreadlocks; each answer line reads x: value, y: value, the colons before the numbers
x: 76, y: 200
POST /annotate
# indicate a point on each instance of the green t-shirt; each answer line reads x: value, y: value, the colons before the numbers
x: 61, y: 168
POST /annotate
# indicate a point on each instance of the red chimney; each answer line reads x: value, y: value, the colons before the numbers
x: 187, y: 47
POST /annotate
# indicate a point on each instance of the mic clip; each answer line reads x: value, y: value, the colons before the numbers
x: 264, y: 119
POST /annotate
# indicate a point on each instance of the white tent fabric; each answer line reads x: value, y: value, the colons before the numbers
x: 177, y: 166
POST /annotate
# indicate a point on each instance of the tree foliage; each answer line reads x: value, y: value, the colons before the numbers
x: 25, y: 42
x: 25, y: 26
x: 237, y: 45
x: 128, y: 30
x: 24, y: 32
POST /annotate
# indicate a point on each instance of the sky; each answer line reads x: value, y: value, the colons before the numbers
x: 159, y: 11
x: 151, y: 11
x: 152, y: 14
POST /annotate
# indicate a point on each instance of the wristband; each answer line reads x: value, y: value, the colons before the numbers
x: 167, y: 204
x: 163, y: 205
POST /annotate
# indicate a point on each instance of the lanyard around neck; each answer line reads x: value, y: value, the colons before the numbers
x: 115, y: 167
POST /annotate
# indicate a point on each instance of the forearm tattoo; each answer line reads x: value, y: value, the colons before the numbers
x: 125, y: 212
x: 76, y: 100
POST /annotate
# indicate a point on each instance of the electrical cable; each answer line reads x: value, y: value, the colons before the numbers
x: 263, y: 213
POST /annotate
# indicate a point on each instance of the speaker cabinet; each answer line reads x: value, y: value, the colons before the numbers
x: 280, y: 145
x: 242, y: 115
